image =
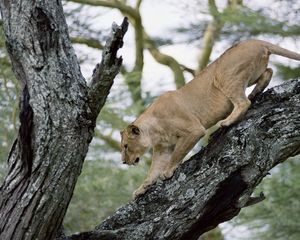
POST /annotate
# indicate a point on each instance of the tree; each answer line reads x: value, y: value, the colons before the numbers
x: 58, y: 112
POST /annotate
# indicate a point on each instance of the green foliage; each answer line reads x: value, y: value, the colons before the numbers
x: 277, y: 217
x: 100, y: 190
x: 252, y: 23
x: 287, y: 73
x: 246, y: 22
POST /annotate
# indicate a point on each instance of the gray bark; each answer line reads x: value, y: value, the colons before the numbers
x: 57, y: 114
x: 217, y: 182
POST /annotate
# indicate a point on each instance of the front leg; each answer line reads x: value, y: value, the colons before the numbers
x: 143, y: 188
x: 184, y: 144
x: 161, y: 158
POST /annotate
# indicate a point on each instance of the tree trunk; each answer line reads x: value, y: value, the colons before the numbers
x: 57, y: 114
x: 217, y: 182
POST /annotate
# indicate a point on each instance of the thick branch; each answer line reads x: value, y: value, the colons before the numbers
x: 216, y: 183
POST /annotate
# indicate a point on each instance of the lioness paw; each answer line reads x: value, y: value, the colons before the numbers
x: 167, y: 174
x: 140, y: 191
x: 224, y: 123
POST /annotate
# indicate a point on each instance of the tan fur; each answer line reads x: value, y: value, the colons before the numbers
x: 176, y: 120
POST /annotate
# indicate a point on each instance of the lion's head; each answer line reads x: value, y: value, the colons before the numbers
x: 132, y: 145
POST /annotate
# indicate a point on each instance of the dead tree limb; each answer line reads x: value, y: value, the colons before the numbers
x: 217, y: 182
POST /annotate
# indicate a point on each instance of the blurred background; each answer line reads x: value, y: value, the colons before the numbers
x: 167, y: 44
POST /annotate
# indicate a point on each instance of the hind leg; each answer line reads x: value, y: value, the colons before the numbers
x: 241, y: 104
x: 262, y: 83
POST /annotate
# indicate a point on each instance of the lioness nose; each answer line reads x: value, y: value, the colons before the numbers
x: 137, y: 160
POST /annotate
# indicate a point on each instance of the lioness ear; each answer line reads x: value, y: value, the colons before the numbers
x: 134, y: 130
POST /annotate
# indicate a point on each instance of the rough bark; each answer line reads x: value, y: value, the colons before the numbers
x: 57, y: 114
x: 217, y: 182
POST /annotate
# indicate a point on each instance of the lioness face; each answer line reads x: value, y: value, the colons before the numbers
x: 131, y: 145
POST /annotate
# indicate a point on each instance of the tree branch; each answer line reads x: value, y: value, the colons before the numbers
x: 213, y: 30
x: 110, y: 4
x: 188, y: 69
x: 165, y: 60
x: 109, y: 141
x: 93, y: 43
x: 53, y: 98
x: 216, y: 183
x: 105, y: 72
x: 211, y: 33
x: 138, y: 4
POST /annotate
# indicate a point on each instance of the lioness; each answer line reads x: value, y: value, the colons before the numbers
x: 176, y: 120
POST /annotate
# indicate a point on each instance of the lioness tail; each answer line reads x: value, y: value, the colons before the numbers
x: 274, y: 49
